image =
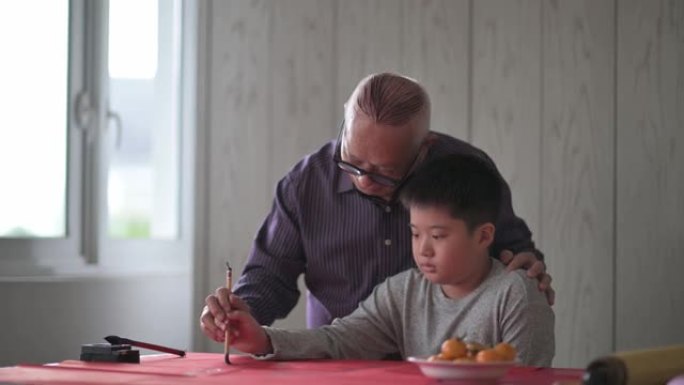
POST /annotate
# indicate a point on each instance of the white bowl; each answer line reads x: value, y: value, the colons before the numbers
x: 448, y: 370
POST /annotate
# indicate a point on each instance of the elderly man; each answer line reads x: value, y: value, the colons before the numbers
x: 335, y: 217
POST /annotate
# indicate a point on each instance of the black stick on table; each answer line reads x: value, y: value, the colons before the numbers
x: 116, y: 340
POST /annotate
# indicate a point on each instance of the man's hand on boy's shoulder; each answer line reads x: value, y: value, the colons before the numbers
x: 535, y: 269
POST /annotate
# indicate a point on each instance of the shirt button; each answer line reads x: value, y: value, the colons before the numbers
x: 388, y: 242
x: 388, y: 209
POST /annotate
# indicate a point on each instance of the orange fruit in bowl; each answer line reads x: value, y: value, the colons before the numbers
x: 438, y: 357
x: 489, y: 355
x: 453, y: 348
x: 472, y: 348
x: 506, y: 351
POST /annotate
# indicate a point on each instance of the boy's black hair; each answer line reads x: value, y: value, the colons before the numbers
x: 467, y: 186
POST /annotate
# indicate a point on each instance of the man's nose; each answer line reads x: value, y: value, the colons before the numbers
x: 364, y: 181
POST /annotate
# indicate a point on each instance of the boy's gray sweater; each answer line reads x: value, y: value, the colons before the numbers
x: 410, y: 315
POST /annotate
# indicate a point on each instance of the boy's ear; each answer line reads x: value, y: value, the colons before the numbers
x: 485, y: 234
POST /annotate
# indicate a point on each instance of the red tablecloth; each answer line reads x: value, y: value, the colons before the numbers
x: 206, y: 368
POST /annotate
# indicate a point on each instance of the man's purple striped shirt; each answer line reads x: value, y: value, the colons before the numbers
x: 343, y: 242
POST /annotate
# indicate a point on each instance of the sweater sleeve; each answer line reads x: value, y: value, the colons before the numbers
x: 370, y: 332
x: 527, y: 321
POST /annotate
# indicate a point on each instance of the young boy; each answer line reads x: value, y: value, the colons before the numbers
x: 457, y: 289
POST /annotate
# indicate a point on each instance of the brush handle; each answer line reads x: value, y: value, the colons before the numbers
x: 158, y: 348
x: 116, y: 340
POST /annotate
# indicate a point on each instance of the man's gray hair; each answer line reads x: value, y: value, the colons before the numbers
x: 389, y: 99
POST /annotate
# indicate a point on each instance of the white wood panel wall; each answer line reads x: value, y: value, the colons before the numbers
x: 368, y: 39
x: 302, y: 89
x: 506, y: 99
x: 577, y: 156
x: 239, y: 139
x: 435, y: 52
x: 650, y: 174
x: 302, y: 112
x: 426, y: 40
x: 593, y: 147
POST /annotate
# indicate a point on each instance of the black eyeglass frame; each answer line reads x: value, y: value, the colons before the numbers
x: 358, y: 172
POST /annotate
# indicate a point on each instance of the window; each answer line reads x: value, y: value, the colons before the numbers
x: 33, y: 73
x: 144, y: 79
x: 95, y: 140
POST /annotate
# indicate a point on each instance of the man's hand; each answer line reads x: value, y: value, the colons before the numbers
x: 222, y: 310
x: 535, y: 269
x: 214, y: 314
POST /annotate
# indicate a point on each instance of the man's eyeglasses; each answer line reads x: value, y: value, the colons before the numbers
x: 358, y: 172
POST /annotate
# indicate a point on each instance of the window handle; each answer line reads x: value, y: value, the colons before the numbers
x: 83, y: 112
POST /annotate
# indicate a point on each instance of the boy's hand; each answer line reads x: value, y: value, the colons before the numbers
x: 246, y: 334
x: 535, y: 269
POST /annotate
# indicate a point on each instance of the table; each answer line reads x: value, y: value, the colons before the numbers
x: 208, y: 368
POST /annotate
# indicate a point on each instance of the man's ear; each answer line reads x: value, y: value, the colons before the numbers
x: 485, y: 234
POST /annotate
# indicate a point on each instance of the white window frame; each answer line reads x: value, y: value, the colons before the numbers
x: 86, y: 246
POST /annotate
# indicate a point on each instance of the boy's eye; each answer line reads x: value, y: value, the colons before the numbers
x: 414, y: 235
x: 438, y: 236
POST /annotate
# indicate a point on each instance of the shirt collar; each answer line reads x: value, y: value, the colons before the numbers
x: 343, y: 182
x: 345, y: 185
